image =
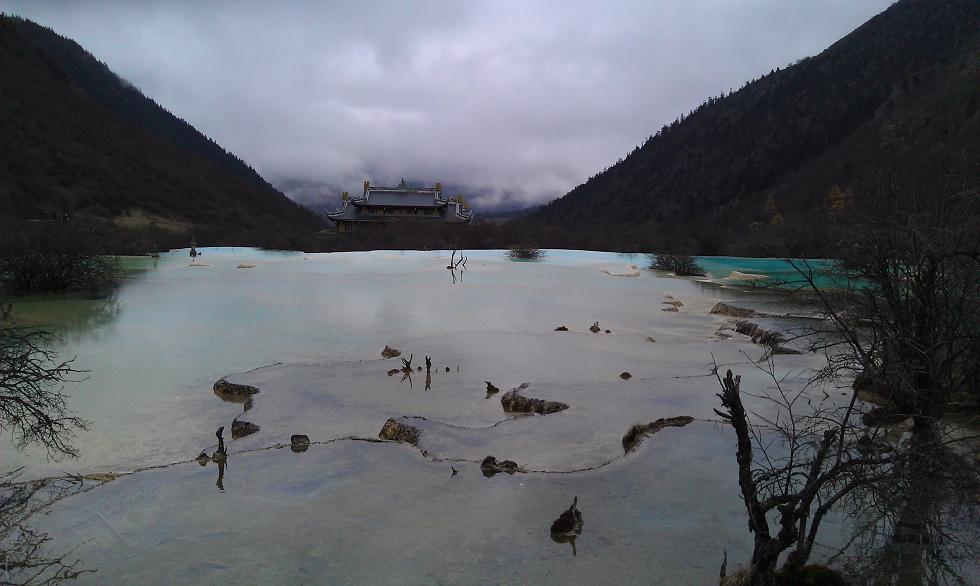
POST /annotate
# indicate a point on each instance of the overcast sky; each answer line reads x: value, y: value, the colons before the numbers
x: 511, y: 102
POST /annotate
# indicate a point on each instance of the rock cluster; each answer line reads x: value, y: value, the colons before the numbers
x: 299, y: 443
x: 240, y: 429
x: 641, y: 430
x: 233, y: 391
x: 513, y: 402
x: 397, y: 431
x: 760, y: 335
x: 731, y: 310
x: 491, y: 466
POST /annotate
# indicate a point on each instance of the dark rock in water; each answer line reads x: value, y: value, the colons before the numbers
x: 561, y: 329
x: 608, y: 331
x: 491, y: 466
x: 419, y: 369
x: 390, y: 352
x: 394, y: 371
x: 447, y: 369
x: 882, y: 416
x: 400, y: 432
x: 641, y: 430
x: 240, y: 429
x: 731, y: 310
x: 515, y: 403
x: 233, y: 392
x: 625, y: 376
x: 671, y: 308
x: 568, y: 526
x: 594, y: 328
x: 203, y: 458
x: 491, y: 390
x: 299, y: 443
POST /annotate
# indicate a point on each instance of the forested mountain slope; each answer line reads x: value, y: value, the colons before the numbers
x: 79, y: 140
x: 757, y: 169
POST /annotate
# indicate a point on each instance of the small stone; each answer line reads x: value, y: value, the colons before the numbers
x: 390, y: 352
x: 233, y: 392
x: 513, y: 402
x: 299, y: 443
x: 561, y: 329
x: 491, y: 466
x: 240, y: 429
x: 636, y: 433
x: 625, y: 376
x: 394, y: 430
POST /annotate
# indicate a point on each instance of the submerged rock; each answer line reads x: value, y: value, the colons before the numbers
x: 400, y: 432
x: 671, y: 308
x: 203, y: 458
x: 394, y: 371
x: 641, y: 430
x: 731, y: 310
x: 234, y: 392
x: 240, y: 429
x: 390, y: 352
x: 491, y: 466
x: 625, y: 375
x: 561, y: 329
x: 299, y: 443
x: 513, y: 402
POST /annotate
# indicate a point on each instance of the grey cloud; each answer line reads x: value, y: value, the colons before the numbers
x: 511, y: 102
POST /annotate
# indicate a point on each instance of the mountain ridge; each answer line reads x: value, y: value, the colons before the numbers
x: 713, y: 180
x: 86, y: 143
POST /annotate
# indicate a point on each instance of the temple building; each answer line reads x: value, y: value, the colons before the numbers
x: 378, y: 206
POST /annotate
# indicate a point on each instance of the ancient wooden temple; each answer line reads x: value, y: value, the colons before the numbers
x: 378, y: 206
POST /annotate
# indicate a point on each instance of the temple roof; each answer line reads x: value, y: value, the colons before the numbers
x: 400, y: 197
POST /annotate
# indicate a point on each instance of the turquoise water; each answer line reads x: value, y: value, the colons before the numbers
x: 779, y: 272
